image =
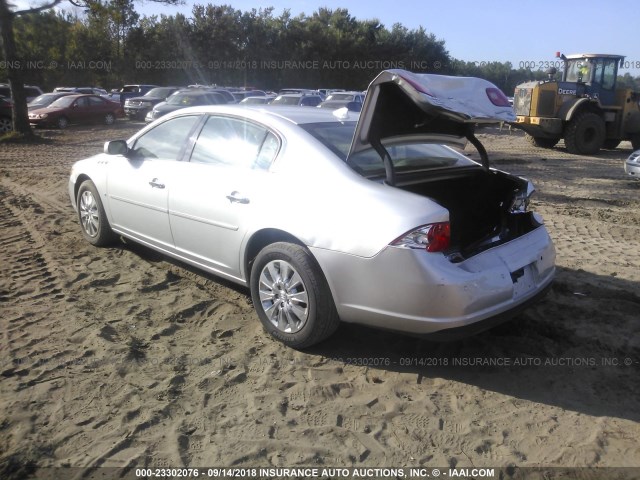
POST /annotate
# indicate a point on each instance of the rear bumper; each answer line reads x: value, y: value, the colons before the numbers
x: 423, y: 293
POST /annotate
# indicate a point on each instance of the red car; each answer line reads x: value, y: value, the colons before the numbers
x: 80, y: 109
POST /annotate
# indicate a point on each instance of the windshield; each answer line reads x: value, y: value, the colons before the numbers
x: 159, y: 92
x: 184, y: 99
x: 578, y: 70
x: 45, y: 99
x: 341, y: 96
x: 282, y: 100
x: 407, y: 156
x: 63, y: 102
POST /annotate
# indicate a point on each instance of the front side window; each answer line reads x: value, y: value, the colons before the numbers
x: 235, y: 142
x: 167, y: 140
x: 96, y: 101
x: 82, y: 102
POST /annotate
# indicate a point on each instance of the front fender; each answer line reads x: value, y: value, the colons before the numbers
x: 569, y: 109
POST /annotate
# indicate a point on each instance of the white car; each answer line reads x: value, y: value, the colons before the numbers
x: 333, y: 216
x: 632, y: 165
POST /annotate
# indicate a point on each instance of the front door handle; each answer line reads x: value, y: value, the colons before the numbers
x: 155, y: 184
x: 235, y: 197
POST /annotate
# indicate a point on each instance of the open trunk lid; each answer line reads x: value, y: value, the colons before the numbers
x: 403, y: 105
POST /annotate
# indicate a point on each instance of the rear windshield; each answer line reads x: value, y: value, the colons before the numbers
x: 407, y: 156
x: 286, y: 101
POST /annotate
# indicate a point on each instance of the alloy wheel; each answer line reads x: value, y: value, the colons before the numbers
x: 89, y: 215
x: 284, y: 296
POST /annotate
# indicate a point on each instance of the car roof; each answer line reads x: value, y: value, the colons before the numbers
x: 293, y: 114
x: 593, y: 55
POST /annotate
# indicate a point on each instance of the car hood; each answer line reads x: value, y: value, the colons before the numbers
x: 401, y: 104
x: 165, y: 107
x: 48, y: 110
x: 146, y: 99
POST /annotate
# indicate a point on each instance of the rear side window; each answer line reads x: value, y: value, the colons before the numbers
x: 235, y: 142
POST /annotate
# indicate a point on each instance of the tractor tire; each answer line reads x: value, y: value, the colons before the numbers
x: 584, y: 134
x: 611, y: 143
x: 542, y: 142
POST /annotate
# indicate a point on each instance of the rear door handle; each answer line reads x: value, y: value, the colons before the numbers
x: 235, y: 197
x: 155, y: 184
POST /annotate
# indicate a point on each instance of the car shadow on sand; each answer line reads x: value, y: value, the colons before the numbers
x: 577, y: 349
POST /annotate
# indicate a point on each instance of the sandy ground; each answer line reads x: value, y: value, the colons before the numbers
x: 121, y: 357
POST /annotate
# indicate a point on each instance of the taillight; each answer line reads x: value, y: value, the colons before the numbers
x: 435, y: 237
x: 497, y: 97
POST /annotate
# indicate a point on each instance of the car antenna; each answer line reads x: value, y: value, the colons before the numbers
x: 470, y: 135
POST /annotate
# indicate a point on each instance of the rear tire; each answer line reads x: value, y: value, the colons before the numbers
x: 542, y: 142
x: 585, y: 134
x: 291, y: 296
x: 109, y: 119
x: 635, y: 141
x: 93, y: 219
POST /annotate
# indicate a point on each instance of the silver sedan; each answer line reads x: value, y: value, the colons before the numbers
x: 333, y: 216
x: 632, y: 165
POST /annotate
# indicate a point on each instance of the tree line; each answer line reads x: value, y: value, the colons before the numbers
x: 111, y: 44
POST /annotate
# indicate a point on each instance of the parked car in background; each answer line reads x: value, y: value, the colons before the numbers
x: 46, y: 99
x: 300, y: 99
x: 30, y: 90
x: 228, y: 95
x: 129, y: 91
x: 138, y: 107
x: 6, y: 112
x: 88, y: 90
x: 307, y: 91
x: 183, y: 99
x: 241, y: 95
x: 328, y: 91
x: 76, y: 109
x: 352, y: 100
x: 264, y: 100
x: 427, y: 241
x: 632, y: 165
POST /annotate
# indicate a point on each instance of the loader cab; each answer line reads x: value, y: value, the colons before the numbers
x: 592, y: 75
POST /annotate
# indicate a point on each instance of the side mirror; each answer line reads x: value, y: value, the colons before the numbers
x: 116, y: 147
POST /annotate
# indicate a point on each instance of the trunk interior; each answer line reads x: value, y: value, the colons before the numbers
x: 479, y: 203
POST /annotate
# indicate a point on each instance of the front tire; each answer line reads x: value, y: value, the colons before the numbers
x: 62, y: 123
x: 93, y: 219
x: 635, y: 141
x: 109, y: 119
x: 6, y: 125
x: 585, y: 134
x: 291, y: 296
x: 542, y: 142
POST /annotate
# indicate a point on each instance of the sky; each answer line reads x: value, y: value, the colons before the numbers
x: 483, y: 31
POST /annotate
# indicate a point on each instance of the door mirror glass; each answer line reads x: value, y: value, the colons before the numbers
x: 116, y: 147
